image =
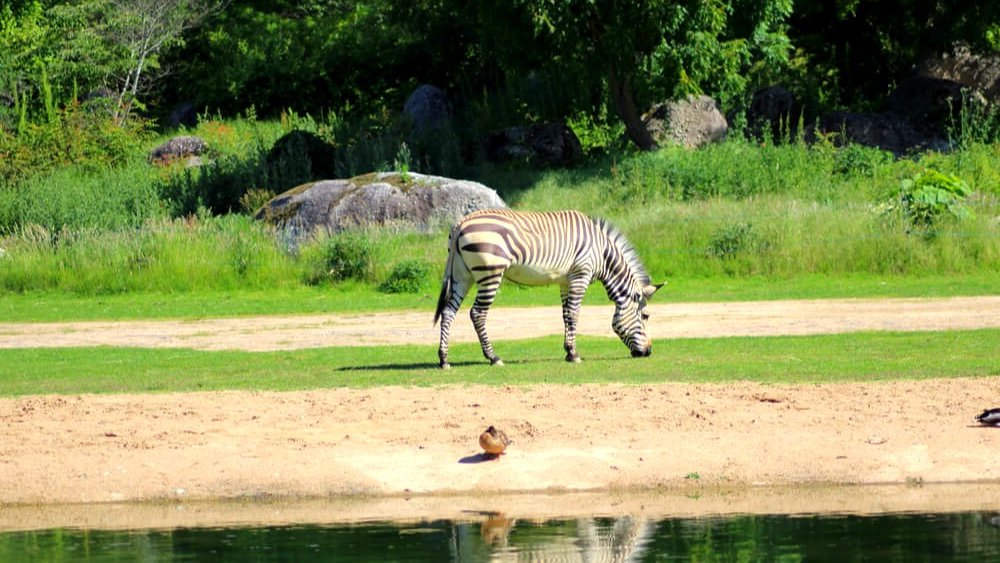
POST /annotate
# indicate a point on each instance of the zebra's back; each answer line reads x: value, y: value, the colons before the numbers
x: 533, y: 248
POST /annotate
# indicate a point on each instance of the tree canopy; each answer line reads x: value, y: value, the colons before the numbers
x: 522, y: 60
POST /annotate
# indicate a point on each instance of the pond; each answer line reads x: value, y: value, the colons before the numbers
x: 891, y: 537
x: 860, y: 523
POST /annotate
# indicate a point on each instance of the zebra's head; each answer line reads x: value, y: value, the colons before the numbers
x: 629, y: 321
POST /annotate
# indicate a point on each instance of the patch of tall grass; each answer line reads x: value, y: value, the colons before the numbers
x: 772, y: 236
x: 738, y: 209
x: 204, y: 253
x: 74, y: 198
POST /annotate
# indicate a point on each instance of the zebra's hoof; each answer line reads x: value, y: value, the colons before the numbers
x: 496, y: 362
x: 573, y: 358
x: 445, y: 365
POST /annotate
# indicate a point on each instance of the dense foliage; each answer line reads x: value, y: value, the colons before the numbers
x: 545, y: 60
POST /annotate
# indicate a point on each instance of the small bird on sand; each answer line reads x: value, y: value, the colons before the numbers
x: 990, y: 417
x: 494, y: 442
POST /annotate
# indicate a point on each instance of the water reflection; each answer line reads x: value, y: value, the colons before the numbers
x: 969, y: 536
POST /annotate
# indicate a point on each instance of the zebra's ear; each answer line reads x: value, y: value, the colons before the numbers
x: 649, y: 290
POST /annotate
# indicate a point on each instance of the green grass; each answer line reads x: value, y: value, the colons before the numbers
x: 355, y: 297
x: 734, y: 220
x: 872, y: 356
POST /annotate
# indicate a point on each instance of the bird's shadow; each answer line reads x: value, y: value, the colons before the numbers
x: 478, y: 458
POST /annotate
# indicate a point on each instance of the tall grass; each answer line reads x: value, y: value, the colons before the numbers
x: 736, y: 209
x: 199, y: 254
x: 771, y: 236
x: 73, y: 198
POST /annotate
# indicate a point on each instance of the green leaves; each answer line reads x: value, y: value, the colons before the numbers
x: 929, y: 196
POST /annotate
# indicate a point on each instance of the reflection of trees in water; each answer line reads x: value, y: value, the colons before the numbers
x: 585, y: 539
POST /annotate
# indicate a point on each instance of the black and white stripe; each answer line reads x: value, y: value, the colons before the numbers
x: 563, y: 247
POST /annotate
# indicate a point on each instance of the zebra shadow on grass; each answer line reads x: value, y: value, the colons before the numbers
x: 463, y: 364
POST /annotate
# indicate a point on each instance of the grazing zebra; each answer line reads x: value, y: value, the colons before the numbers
x: 563, y: 247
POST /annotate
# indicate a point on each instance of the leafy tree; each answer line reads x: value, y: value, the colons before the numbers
x: 142, y: 28
x: 656, y: 47
x: 866, y: 46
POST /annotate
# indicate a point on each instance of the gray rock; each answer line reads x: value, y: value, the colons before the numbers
x: 428, y: 109
x: 184, y: 147
x: 184, y: 113
x: 979, y: 72
x: 388, y: 198
x: 773, y: 109
x: 886, y: 130
x: 543, y: 144
x: 692, y: 122
x: 930, y: 104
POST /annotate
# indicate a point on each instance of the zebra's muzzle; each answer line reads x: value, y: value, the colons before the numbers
x: 644, y: 353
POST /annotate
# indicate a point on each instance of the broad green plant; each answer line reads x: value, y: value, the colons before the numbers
x: 929, y: 196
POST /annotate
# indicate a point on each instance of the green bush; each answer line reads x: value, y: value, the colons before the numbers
x: 928, y: 196
x: 344, y: 256
x: 75, y: 136
x: 408, y: 276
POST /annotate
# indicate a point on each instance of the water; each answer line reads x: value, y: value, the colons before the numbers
x: 964, y: 536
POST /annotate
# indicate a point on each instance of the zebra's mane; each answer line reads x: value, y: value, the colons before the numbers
x: 628, y: 251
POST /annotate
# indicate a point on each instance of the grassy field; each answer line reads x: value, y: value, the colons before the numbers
x: 353, y: 297
x: 873, y: 356
x: 739, y: 220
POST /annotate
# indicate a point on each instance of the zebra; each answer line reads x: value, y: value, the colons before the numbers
x: 533, y: 248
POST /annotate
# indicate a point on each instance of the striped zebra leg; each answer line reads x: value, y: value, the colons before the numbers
x: 452, y: 294
x: 572, y: 295
x: 484, y: 298
x: 447, y: 316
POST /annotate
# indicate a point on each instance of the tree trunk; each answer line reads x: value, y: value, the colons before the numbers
x: 621, y: 95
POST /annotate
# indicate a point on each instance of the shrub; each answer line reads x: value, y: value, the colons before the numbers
x: 928, y: 196
x: 732, y: 240
x: 860, y: 160
x: 343, y: 256
x: 407, y: 276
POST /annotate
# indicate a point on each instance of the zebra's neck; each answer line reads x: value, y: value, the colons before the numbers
x: 621, y: 271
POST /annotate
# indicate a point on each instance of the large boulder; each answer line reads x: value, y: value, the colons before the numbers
x: 183, y: 114
x: 182, y: 148
x: 303, y: 155
x: 888, y: 131
x: 979, y: 72
x: 428, y: 109
x: 385, y: 198
x: 773, y: 109
x: 691, y: 122
x: 542, y: 144
x: 930, y: 104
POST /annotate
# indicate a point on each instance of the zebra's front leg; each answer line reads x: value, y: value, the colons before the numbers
x: 572, y: 295
x: 484, y: 298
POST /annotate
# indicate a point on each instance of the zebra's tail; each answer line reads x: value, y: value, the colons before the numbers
x: 445, y: 295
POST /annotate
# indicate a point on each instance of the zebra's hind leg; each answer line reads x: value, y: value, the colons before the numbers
x: 457, y: 289
x: 484, y: 298
x: 447, y: 316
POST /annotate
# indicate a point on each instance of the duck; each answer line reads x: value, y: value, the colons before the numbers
x: 990, y: 417
x: 494, y: 441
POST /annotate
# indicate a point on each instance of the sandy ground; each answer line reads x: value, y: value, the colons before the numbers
x: 408, y: 452
x: 672, y: 320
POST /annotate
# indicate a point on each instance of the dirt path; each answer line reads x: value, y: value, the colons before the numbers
x: 398, y: 442
x: 673, y: 320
